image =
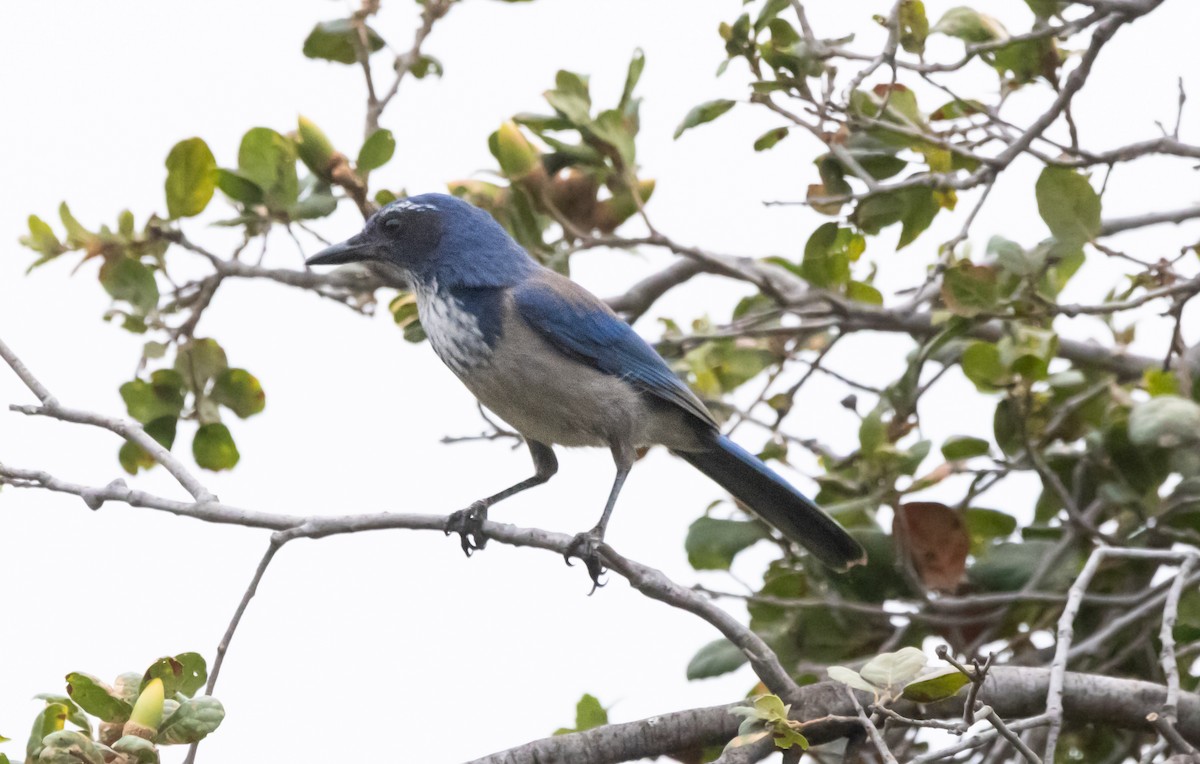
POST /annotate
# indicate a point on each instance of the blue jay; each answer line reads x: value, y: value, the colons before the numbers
x: 558, y: 365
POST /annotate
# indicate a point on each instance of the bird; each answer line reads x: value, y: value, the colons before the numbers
x: 558, y: 365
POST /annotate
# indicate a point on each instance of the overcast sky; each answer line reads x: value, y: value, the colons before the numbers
x: 391, y: 645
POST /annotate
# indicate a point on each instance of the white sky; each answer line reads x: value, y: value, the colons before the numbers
x: 396, y: 631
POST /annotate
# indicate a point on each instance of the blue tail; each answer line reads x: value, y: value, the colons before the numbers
x: 774, y: 500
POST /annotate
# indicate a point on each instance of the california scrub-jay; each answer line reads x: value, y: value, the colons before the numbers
x: 558, y: 365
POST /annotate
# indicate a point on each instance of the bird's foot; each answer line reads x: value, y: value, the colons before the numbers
x: 586, y: 547
x: 468, y: 524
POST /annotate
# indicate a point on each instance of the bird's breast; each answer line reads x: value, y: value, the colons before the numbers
x: 456, y: 330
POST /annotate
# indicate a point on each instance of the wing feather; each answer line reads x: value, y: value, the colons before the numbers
x: 578, y: 324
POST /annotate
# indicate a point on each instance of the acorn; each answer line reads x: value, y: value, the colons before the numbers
x: 314, y: 147
x: 519, y: 159
x: 147, y: 711
x: 611, y: 213
x: 573, y: 194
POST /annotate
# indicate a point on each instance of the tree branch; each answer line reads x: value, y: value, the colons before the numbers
x: 1010, y: 691
x: 649, y: 581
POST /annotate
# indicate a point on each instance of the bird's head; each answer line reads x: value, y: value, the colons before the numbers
x: 434, y: 237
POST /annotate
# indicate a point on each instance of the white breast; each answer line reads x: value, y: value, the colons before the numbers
x: 453, y: 331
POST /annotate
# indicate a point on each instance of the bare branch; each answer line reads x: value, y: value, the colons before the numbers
x: 430, y: 13
x: 131, y: 431
x: 1120, y: 225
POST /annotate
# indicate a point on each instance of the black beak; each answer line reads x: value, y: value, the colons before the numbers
x: 356, y: 249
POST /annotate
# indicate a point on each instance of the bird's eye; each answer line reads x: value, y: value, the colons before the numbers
x: 392, y: 224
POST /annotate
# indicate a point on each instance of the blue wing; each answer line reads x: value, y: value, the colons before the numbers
x: 581, y: 326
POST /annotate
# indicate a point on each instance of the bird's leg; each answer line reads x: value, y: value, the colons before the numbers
x: 586, y: 546
x: 468, y: 523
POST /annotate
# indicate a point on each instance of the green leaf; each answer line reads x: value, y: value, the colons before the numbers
x: 612, y: 128
x: 914, y: 207
x: 376, y: 150
x: 140, y: 749
x: 78, y: 237
x: 770, y: 138
x: 199, y: 361
x: 191, y: 178
x: 1026, y: 60
x: 167, y: 669
x: 705, y: 112
x: 871, y: 432
x: 851, y: 678
x: 133, y: 457
x: 718, y: 657
x: 1028, y: 350
x: 863, y: 292
x: 97, y: 698
x: 711, y: 544
x: 958, y: 447
x: 1158, y: 382
x: 828, y: 254
x: 982, y: 365
x: 125, y: 278
x: 42, y: 239
x: 969, y: 25
x: 240, y: 391
x: 936, y: 686
x: 238, y: 187
x: 957, y: 109
x: 1006, y: 567
x: 1068, y: 204
x: 571, y: 98
x: 770, y: 10
x: 194, y: 674
x: 404, y: 311
x: 339, y: 41
x: 1013, y: 258
x: 49, y: 720
x: 636, y: 64
x: 426, y: 65
x: 213, y: 447
x: 890, y: 670
x: 75, y: 714
x: 969, y: 289
x: 988, y: 523
x: 127, y: 686
x: 162, y: 396
x: 914, y: 26
x: 589, y: 714
x: 319, y: 203
x: 268, y: 160
x: 69, y: 747
x: 194, y: 720
x: 1166, y: 421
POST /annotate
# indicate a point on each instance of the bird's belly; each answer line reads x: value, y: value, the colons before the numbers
x: 555, y: 400
x: 542, y: 393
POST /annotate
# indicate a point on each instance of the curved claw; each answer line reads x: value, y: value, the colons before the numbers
x: 586, y: 547
x: 468, y: 524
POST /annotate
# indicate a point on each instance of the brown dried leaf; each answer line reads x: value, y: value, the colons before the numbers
x: 935, y: 541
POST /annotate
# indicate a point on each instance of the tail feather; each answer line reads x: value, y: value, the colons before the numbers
x: 774, y: 500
